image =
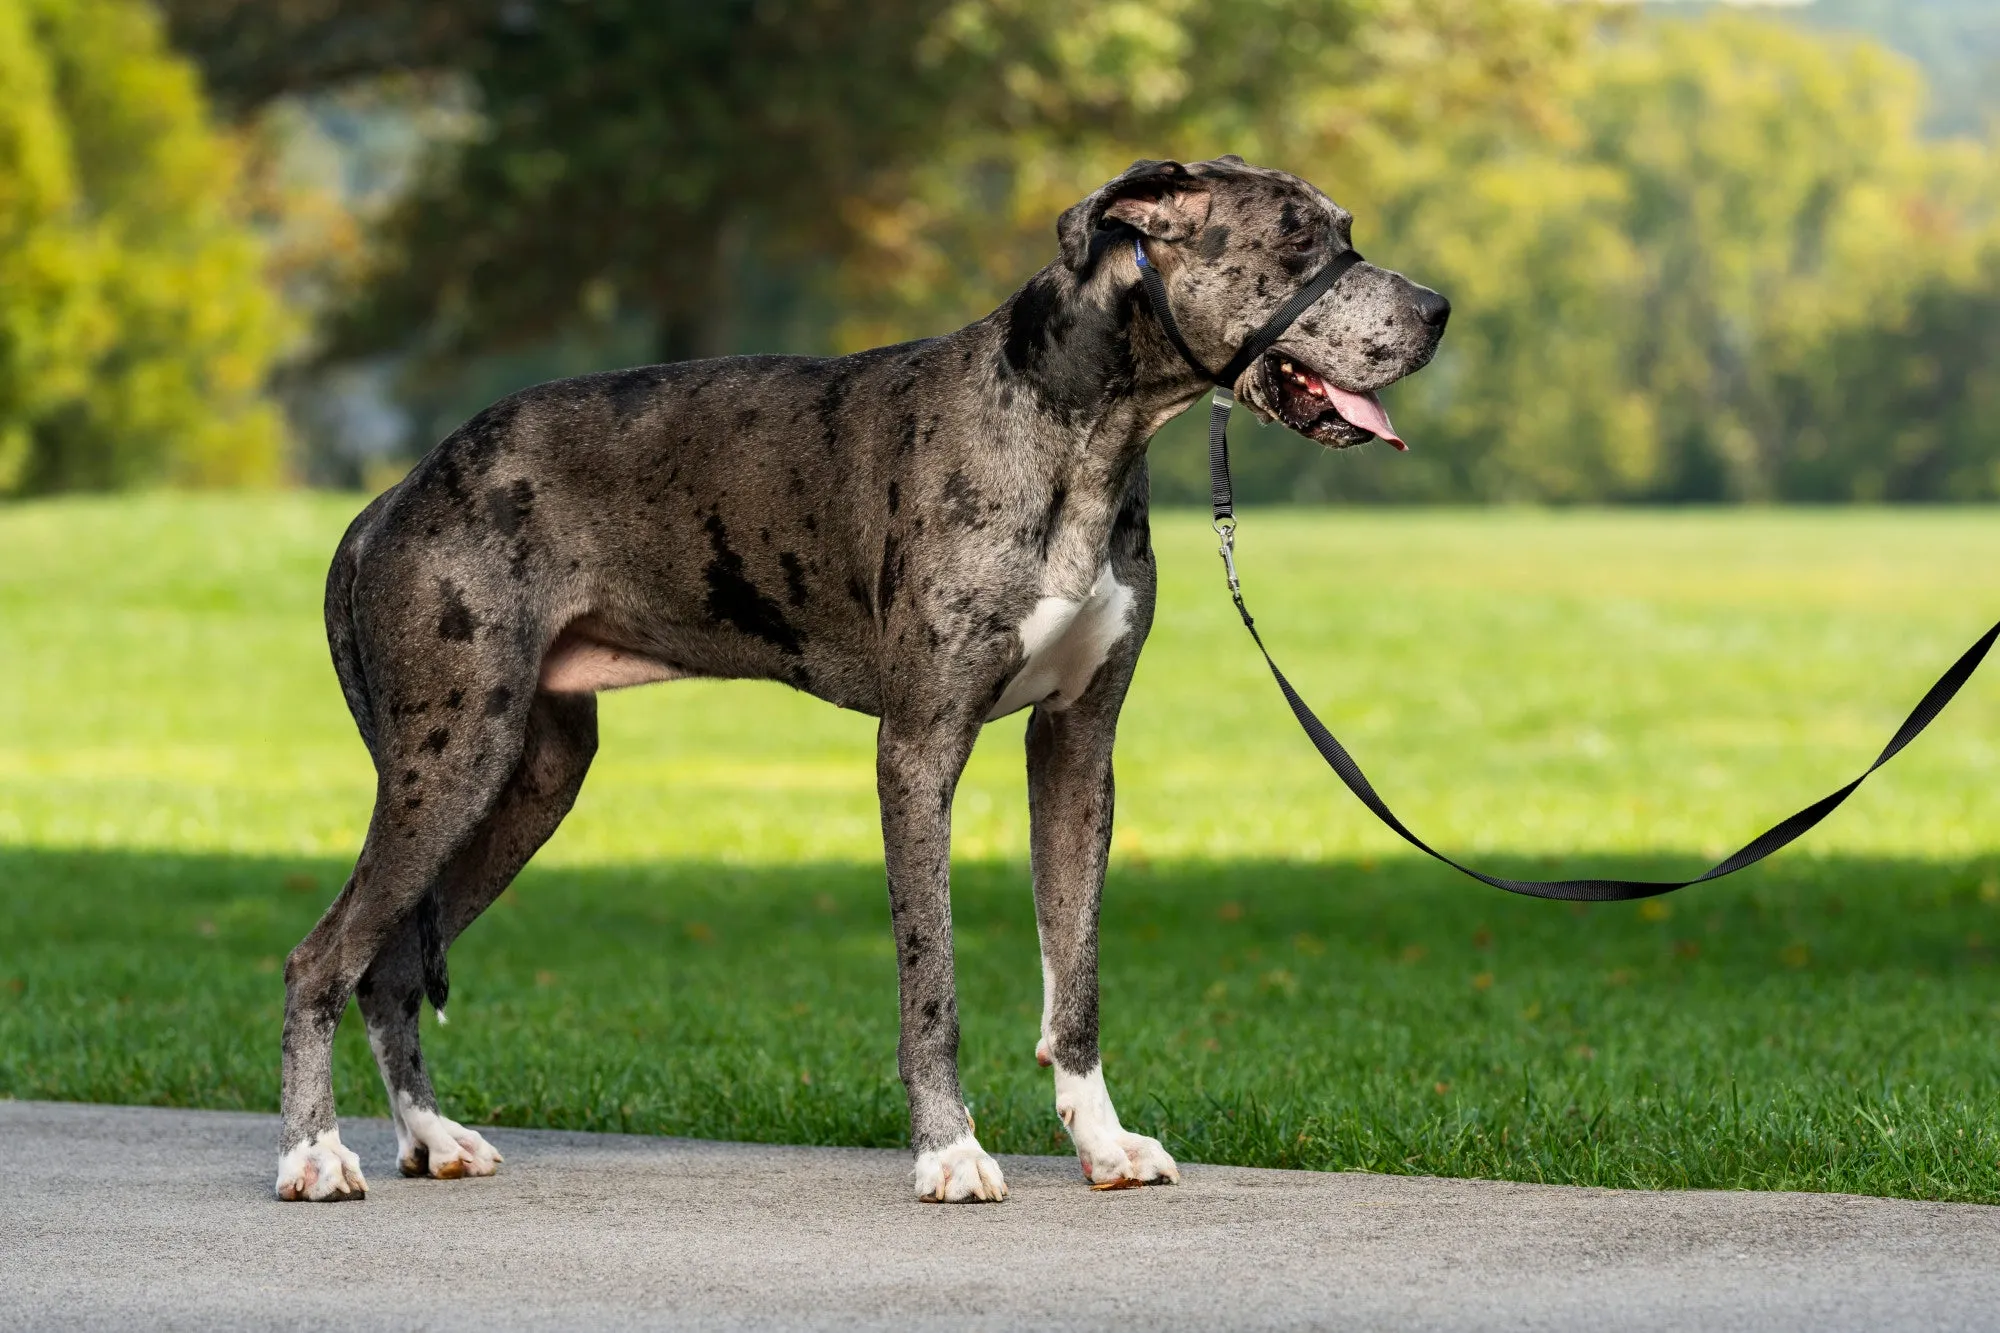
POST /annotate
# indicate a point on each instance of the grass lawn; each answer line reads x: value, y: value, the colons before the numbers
x: 704, y: 950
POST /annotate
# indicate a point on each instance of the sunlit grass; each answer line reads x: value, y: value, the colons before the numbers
x: 703, y: 949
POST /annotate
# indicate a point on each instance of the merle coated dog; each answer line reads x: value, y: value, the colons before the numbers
x: 937, y: 534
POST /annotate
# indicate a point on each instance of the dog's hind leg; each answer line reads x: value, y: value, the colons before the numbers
x: 1069, y: 802
x: 449, y: 715
x: 560, y: 742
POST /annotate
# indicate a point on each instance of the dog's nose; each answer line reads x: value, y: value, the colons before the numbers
x: 1432, y: 308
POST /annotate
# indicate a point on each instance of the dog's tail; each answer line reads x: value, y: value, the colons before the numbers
x: 340, y: 634
x: 344, y: 642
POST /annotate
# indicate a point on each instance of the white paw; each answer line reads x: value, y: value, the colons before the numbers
x: 321, y: 1170
x: 1128, y: 1161
x: 958, y: 1173
x: 428, y: 1144
x: 1112, y: 1159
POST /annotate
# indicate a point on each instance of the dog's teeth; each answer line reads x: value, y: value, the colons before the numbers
x: 1288, y: 367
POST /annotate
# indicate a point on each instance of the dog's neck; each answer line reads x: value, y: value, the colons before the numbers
x: 1088, y: 348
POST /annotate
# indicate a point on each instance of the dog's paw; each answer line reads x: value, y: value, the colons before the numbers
x: 320, y: 1170
x: 959, y: 1172
x: 1127, y: 1161
x: 428, y: 1144
x: 1111, y: 1158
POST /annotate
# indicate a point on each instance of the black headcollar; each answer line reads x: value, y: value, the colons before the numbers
x: 1225, y: 379
x: 1259, y: 342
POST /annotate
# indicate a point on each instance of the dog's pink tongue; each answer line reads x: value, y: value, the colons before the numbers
x: 1364, y: 410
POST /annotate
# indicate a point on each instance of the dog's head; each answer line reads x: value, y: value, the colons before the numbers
x: 1232, y: 242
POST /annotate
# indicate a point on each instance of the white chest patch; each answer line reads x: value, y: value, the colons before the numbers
x: 1065, y: 642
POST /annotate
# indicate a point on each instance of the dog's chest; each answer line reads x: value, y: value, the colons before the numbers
x: 1064, y: 641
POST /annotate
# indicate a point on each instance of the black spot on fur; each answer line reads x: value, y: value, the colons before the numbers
x: 895, y: 497
x: 437, y: 740
x: 1053, y: 516
x: 454, y: 700
x: 1213, y: 242
x: 447, y: 474
x: 457, y: 623
x: 480, y: 439
x: 630, y: 392
x: 1073, y: 353
x: 327, y: 1009
x: 890, y: 577
x: 961, y: 501
x: 509, y: 506
x: 735, y: 600
x: 1131, y: 532
x: 830, y: 400
x: 1029, y: 317
x: 497, y: 700
x: 795, y: 576
x: 409, y: 776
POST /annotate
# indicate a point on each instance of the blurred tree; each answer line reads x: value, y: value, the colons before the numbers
x: 632, y: 151
x: 135, y: 332
x: 1647, y: 287
x: 1662, y: 237
x: 1906, y: 407
x: 254, y: 50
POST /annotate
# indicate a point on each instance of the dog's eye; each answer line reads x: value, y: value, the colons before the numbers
x: 1302, y: 242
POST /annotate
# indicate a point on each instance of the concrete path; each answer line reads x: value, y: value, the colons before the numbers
x: 134, y: 1218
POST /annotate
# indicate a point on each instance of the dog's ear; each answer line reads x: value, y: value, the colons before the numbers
x: 1159, y: 199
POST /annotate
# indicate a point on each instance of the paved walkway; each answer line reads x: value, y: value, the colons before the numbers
x: 123, y: 1217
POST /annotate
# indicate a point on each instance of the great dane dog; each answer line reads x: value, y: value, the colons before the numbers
x: 936, y: 534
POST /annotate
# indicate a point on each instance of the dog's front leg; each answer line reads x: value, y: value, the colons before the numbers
x: 1069, y: 804
x: 917, y: 769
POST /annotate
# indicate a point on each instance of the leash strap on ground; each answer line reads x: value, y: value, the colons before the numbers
x: 1608, y: 890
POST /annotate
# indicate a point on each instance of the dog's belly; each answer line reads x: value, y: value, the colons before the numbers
x: 1065, y: 641
x: 578, y: 663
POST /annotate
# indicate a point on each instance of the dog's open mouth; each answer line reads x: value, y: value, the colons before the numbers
x: 1321, y: 410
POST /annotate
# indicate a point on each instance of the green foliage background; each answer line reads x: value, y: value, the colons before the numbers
x: 1696, y: 254
x: 136, y: 329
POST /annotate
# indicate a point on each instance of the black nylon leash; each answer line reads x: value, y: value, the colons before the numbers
x: 1335, y: 754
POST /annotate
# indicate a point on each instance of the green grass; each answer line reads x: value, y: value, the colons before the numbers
x: 704, y: 950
